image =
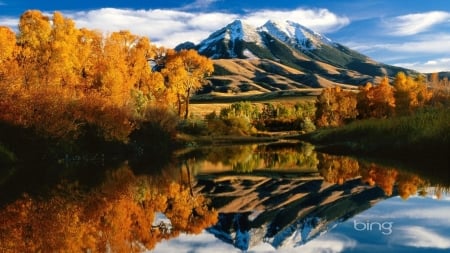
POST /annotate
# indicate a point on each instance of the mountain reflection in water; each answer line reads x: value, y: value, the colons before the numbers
x: 282, y: 194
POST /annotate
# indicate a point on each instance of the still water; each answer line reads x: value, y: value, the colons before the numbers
x: 276, y: 197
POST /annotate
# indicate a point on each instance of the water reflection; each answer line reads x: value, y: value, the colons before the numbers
x: 117, y: 216
x: 282, y: 194
x: 286, y: 194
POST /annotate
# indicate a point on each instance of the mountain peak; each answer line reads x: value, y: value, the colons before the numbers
x: 295, y: 34
x: 224, y: 42
x: 243, y: 31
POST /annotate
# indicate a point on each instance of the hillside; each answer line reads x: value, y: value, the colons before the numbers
x: 283, y: 56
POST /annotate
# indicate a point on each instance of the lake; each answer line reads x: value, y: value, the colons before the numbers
x: 272, y: 197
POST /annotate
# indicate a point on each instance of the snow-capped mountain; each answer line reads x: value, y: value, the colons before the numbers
x: 282, y: 56
x: 295, y: 34
x: 227, y: 42
x: 234, y: 39
x: 283, y: 212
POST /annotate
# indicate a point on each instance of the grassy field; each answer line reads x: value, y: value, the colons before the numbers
x: 203, y: 104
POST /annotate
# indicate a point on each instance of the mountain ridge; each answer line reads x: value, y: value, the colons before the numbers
x: 283, y: 56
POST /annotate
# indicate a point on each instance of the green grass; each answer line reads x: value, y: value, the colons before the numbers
x: 6, y: 156
x: 425, y: 132
x: 419, y: 142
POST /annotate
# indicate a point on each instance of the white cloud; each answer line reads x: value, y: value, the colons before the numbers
x: 199, y: 4
x: 420, y: 237
x: 431, y: 45
x: 412, y: 24
x: 9, y: 21
x: 171, y: 27
x: 163, y: 27
x: 424, y: 53
x: 319, y: 20
x: 429, y: 66
x: 331, y: 243
x: 204, y: 242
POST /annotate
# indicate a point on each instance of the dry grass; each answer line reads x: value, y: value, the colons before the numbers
x: 215, y: 102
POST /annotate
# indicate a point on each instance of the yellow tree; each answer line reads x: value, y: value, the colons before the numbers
x: 115, y: 80
x: 34, y: 35
x: 9, y: 70
x: 335, y: 106
x: 410, y: 93
x: 186, y: 71
x: 440, y: 88
x: 64, y: 63
x: 7, y: 43
x: 90, y: 57
x: 376, y: 101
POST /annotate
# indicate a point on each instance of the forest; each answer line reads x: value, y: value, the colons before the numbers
x: 67, y: 85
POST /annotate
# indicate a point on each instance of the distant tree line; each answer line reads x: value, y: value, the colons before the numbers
x: 336, y: 106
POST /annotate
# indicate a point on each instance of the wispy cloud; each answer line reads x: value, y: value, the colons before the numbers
x: 171, y: 27
x: 163, y: 27
x: 430, y: 44
x: 199, y: 4
x: 412, y: 24
x: 320, y: 20
x: 428, y: 66
x: 420, y: 237
x: 9, y: 21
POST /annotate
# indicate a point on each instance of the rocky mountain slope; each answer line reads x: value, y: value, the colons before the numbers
x: 283, y: 211
x: 283, y: 56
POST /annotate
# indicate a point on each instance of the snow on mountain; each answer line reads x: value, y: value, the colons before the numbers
x: 238, y: 31
x: 229, y: 35
x: 294, y: 33
x: 284, y: 55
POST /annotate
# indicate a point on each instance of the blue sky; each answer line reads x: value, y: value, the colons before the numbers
x: 413, y: 33
x: 419, y: 224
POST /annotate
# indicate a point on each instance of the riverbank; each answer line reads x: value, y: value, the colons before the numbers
x: 422, y: 137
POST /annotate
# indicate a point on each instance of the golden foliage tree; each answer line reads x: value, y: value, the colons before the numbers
x: 9, y: 69
x: 63, y: 65
x: 185, y: 71
x: 410, y: 93
x: 376, y: 101
x: 335, y: 106
x: 81, y: 79
x: 384, y: 178
x: 117, y: 216
x: 440, y: 89
x: 35, y: 31
x: 338, y: 169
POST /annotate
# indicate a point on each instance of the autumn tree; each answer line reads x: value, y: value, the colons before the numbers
x: 335, y: 106
x: 384, y: 178
x: 440, y: 88
x: 186, y: 71
x: 376, y: 101
x: 115, y: 216
x: 63, y: 66
x: 338, y: 169
x: 410, y: 93
x: 408, y: 184
x: 9, y: 69
x: 34, y: 35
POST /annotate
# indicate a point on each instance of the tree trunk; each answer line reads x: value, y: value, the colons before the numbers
x: 179, y: 104
x: 186, y: 114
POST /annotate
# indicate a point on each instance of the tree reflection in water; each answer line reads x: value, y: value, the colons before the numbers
x: 300, y: 158
x: 117, y: 216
